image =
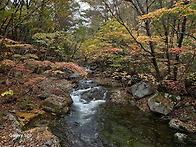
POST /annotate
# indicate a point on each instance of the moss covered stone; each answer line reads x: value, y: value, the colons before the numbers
x: 56, y: 104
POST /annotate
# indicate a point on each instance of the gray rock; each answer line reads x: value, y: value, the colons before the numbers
x: 84, y: 84
x: 158, y: 107
x: 179, y: 125
x: 187, y: 104
x: 94, y: 93
x: 42, y: 129
x: 16, y: 137
x: 184, y: 118
x: 178, y: 98
x: 12, y: 111
x: 48, y: 143
x: 180, y: 137
x: 11, y: 117
x: 174, y: 123
x: 141, y: 90
x: 167, y: 95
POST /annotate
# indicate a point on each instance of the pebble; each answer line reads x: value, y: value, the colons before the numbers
x: 187, y: 104
x: 12, y: 111
x: 180, y: 137
x: 178, y: 98
x: 184, y: 118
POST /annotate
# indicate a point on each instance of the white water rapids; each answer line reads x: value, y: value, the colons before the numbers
x: 82, y: 107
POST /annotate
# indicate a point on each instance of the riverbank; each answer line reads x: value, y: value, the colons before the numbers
x: 32, y: 89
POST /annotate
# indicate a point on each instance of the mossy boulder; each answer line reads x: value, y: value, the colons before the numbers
x: 160, y: 104
x: 57, y: 104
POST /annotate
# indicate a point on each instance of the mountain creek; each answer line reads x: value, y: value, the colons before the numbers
x: 94, y: 121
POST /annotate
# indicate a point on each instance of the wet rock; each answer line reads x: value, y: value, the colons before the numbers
x: 180, y: 137
x: 84, y: 84
x: 157, y: 107
x: 93, y: 93
x: 141, y: 90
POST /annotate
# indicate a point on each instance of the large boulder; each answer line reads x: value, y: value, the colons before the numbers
x: 57, y: 104
x: 93, y: 93
x: 159, y: 104
x: 141, y: 90
x: 85, y: 84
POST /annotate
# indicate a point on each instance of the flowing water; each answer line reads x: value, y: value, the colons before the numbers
x: 93, y: 122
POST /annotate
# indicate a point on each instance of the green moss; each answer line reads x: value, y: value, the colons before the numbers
x: 23, y: 128
x: 27, y: 104
x: 53, y: 107
x: 173, y: 98
x: 155, y: 98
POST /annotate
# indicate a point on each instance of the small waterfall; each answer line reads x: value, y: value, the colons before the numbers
x: 82, y: 118
x: 85, y: 109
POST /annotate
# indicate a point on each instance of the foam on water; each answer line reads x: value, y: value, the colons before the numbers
x: 84, y: 109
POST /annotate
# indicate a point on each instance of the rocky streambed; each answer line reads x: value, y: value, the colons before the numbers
x: 94, y: 120
x: 100, y: 112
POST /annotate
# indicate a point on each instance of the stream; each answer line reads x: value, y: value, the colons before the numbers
x: 94, y: 122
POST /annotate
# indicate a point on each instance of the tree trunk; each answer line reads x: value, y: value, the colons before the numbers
x: 180, y: 40
x: 154, y: 60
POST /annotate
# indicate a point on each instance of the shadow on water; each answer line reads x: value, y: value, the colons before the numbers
x: 126, y: 126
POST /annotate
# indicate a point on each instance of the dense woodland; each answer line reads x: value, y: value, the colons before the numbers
x: 152, y: 38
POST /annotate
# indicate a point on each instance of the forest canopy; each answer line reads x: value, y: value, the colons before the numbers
x: 133, y: 36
